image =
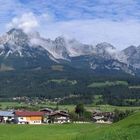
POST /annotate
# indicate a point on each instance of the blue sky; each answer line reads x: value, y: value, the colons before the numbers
x: 89, y: 21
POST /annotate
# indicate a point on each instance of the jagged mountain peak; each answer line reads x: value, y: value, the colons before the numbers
x: 19, y: 35
x: 132, y: 54
x: 76, y: 48
x: 132, y: 47
x: 131, y: 50
x: 17, y: 43
x: 16, y: 36
x: 106, y: 50
x: 103, y: 48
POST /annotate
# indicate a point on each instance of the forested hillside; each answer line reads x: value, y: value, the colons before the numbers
x: 120, y: 89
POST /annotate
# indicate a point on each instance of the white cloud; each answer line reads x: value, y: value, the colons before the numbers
x: 27, y: 22
x: 119, y: 33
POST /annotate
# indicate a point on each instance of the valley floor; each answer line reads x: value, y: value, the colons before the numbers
x: 90, y: 107
x: 127, y: 129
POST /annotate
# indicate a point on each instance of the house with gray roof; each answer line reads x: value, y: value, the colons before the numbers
x: 6, y: 116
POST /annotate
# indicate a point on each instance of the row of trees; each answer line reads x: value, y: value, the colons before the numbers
x: 119, y: 115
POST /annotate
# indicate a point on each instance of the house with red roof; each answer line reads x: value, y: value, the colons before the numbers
x: 29, y: 117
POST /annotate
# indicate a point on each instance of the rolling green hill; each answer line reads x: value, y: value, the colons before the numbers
x: 127, y: 129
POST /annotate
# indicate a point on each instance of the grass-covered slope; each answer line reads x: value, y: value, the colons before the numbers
x: 127, y: 129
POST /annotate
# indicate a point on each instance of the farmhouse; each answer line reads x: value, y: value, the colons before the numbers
x: 6, y: 116
x: 59, y: 117
x: 28, y: 117
x: 103, y: 117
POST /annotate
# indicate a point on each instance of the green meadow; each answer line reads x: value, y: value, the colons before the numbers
x: 108, y: 84
x: 127, y: 129
x: 90, y: 107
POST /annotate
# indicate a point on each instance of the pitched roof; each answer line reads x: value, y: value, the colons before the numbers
x: 47, y: 109
x: 6, y: 113
x: 59, y: 113
x: 28, y: 113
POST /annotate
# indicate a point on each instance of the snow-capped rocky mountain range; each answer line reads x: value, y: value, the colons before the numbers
x: 15, y: 44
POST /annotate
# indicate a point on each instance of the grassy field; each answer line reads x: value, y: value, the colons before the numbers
x: 108, y: 84
x: 127, y: 129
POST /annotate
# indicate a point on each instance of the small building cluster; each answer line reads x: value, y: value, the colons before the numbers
x: 103, y: 117
x: 49, y: 116
x: 34, y: 117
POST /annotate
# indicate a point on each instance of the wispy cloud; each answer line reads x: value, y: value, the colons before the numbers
x: 121, y: 34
